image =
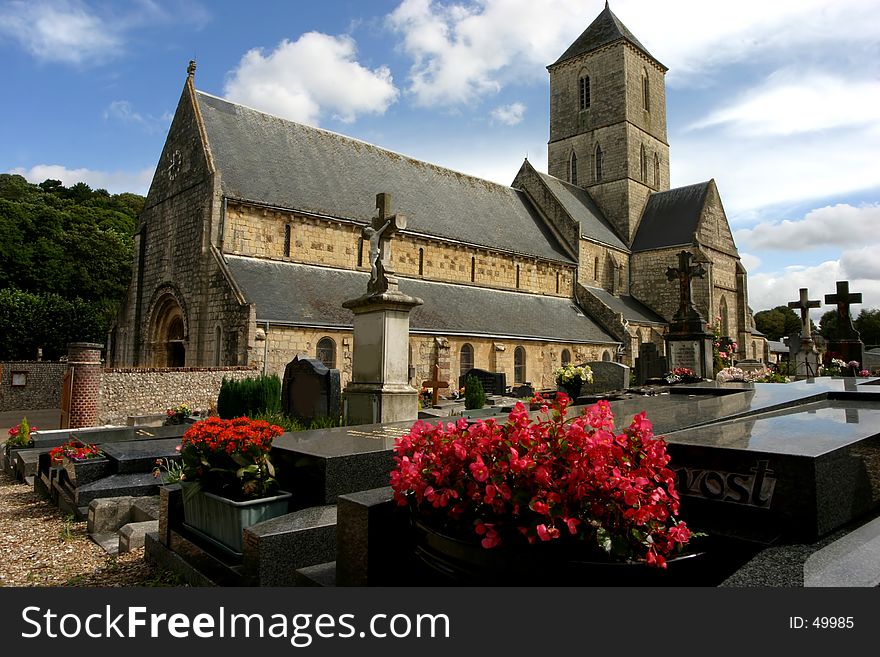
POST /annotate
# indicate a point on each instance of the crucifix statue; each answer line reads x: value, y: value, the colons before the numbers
x: 804, y: 304
x: 843, y: 299
x: 685, y: 273
x: 379, y: 235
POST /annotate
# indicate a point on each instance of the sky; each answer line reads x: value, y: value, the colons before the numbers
x: 778, y: 101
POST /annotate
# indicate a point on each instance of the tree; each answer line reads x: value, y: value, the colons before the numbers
x: 828, y: 325
x: 868, y: 326
x: 777, y: 323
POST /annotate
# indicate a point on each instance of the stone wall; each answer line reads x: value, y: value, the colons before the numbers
x: 41, y: 390
x: 279, y: 235
x: 144, y: 391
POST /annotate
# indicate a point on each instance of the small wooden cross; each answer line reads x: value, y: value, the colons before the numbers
x: 804, y: 304
x: 435, y: 385
x: 843, y: 299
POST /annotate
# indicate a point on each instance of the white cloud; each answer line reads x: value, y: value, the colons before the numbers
x: 305, y: 79
x: 768, y: 290
x: 749, y: 261
x: 833, y: 225
x: 62, y: 31
x: 114, y: 182
x: 509, y: 114
x: 862, y: 263
x: 794, y: 101
x: 122, y: 110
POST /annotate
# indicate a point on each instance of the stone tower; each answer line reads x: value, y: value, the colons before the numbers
x: 608, y: 121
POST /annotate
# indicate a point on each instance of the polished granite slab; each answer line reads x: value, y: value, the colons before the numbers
x: 140, y: 455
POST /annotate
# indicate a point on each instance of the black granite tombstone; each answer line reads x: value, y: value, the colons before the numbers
x: 494, y: 383
x: 650, y: 364
x: 310, y: 390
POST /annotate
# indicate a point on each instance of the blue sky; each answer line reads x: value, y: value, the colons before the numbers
x: 778, y: 101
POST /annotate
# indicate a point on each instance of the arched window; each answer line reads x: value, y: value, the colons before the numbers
x: 466, y: 359
x: 573, y: 169
x: 361, y: 252
x: 722, y: 311
x: 557, y: 282
x: 600, y: 163
x: 643, y: 164
x: 473, y: 268
x: 326, y: 352
x: 584, y: 92
x: 606, y: 356
x: 646, y: 91
x: 519, y: 365
x: 596, y: 268
x: 656, y: 171
x: 421, y: 262
x: 566, y: 357
x: 517, y: 276
x: 286, y: 240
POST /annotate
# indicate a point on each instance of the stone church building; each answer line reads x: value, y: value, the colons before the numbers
x: 251, y: 237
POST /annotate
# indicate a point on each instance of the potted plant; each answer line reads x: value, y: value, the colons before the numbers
x: 681, y: 375
x: 229, y: 482
x: 177, y: 414
x: 18, y: 437
x: 550, y: 500
x: 83, y: 463
x: 571, y: 378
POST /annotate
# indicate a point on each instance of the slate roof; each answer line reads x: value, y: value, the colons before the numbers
x: 632, y: 309
x: 777, y: 347
x: 671, y: 217
x: 604, y: 30
x: 272, y: 161
x: 308, y: 295
x: 581, y: 208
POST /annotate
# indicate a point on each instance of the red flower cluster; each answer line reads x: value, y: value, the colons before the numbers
x: 230, y: 457
x: 684, y: 372
x: 547, y: 480
x: 74, y: 450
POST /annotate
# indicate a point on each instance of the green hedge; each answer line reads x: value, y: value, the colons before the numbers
x: 249, y: 396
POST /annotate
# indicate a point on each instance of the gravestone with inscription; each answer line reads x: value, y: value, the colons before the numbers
x: 494, y: 383
x: 688, y: 343
x: 310, y: 390
x: 802, y: 349
x: 650, y: 364
x: 608, y: 376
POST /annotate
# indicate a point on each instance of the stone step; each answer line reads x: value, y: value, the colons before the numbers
x: 25, y: 461
x: 853, y: 560
x: 322, y: 574
x: 145, y: 508
x: 107, y: 515
x: 274, y: 550
x: 132, y: 535
x: 109, y: 542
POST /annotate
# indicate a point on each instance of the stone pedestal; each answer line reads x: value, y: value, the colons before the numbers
x: 805, y: 359
x: 846, y: 350
x: 691, y: 350
x: 379, y: 390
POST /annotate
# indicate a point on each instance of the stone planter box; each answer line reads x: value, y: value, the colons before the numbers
x: 222, y: 521
x: 84, y: 472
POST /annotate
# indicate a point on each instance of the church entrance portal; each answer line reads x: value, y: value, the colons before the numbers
x: 168, y: 337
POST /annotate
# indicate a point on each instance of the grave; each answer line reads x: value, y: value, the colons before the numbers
x: 802, y: 349
x: 494, y: 383
x: 650, y: 365
x: 848, y: 346
x: 607, y: 376
x: 434, y: 385
x: 310, y: 390
x: 688, y: 342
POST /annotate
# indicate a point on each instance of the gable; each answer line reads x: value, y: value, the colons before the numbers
x: 671, y: 218
x: 713, y: 229
x: 271, y: 161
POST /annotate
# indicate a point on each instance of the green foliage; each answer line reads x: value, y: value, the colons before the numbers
x: 70, y: 250
x: 279, y: 418
x: 249, y: 397
x: 828, y: 325
x: 868, y: 326
x: 474, y: 395
x: 777, y: 323
x: 23, y: 437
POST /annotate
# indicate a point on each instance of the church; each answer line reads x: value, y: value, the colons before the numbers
x: 251, y: 237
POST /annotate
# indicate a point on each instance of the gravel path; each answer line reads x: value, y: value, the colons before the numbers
x: 40, y: 547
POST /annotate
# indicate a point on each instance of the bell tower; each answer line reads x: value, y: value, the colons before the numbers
x: 608, y: 121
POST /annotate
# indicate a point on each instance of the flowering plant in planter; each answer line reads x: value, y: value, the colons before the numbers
x: 75, y: 451
x: 568, y: 374
x: 230, y: 458
x: 177, y: 414
x: 681, y: 375
x: 523, y: 482
x: 20, y: 436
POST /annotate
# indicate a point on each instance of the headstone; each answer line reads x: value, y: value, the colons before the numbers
x: 310, y: 390
x: 525, y: 391
x: 848, y: 346
x: 650, y: 364
x: 802, y: 350
x: 494, y: 383
x: 688, y: 343
x: 380, y: 390
x: 434, y: 384
x: 608, y: 376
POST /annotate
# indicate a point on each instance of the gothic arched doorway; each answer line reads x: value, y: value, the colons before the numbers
x: 168, y: 333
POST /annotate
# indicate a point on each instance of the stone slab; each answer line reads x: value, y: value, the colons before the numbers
x: 108, y: 542
x: 132, y: 535
x: 107, y: 515
x: 322, y: 574
x: 140, y: 455
x: 145, y: 508
x: 167, y: 560
x: 273, y: 550
x: 25, y: 462
x: 117, y: 485
x: 853, y: 560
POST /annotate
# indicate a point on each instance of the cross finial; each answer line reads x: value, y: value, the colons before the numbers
x: 191, y: 68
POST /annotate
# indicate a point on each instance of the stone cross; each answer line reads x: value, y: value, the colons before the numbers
x: 435, y: 384
x: 685, y: 273
x: 804, y: 304
x: 843, y: 299
x: 379, y: 235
